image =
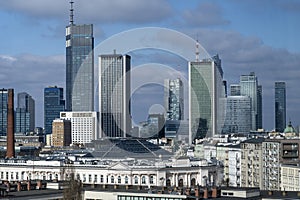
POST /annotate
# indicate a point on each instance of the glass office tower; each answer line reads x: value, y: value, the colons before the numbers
x: 206, y: 89
x: 25, y: 114
x: 53, y: 105
x: 79, y: 67
x: 280, y: 106
x: 114, y: 95
x: 174, y: 99
x: 3, y: 114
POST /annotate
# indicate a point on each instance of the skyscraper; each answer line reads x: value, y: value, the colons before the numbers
x: 174, y: 103
x: 25, y: 114
x: 53, y: 105
x: 280, y: 106
x: 248, y: 85
x: 114, y: 95
x: 3, y: 108
x: 238, y: 115
x: 259, y: 122
x: 206, y: 88
x: 79, y: 66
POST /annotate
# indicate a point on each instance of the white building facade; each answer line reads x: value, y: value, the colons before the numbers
x: 84, y: 126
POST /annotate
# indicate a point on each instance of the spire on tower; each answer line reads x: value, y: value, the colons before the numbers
x: 71, y: 12
x: 197, y: 51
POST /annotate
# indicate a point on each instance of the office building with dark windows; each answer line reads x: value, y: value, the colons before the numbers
x: 25, y: 114
x: 54, y: 103
x: 114, y: 95
x: 79, y: 66
x: 280, y: 106
x: 3, y: 108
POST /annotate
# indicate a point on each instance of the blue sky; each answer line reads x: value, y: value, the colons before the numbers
x: 248, y: 35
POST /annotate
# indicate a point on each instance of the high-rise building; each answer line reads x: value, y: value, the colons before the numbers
x: 259, y: 121
x: 248, y: 85
x: 280, y: 106
x: 84, y: 126
x: 54, y: 103
x: 10, y: 137
x: 25, y: 114
x: 238, y: 115
x: 156, y: 123
x: 79, y: 66
x: 206, y: 88
x: 3, y: 108
x: 61, y: 132
x: 174, y: 103
x: 114, y: 95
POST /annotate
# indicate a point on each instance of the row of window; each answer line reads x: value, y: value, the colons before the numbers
x: 115, y: 179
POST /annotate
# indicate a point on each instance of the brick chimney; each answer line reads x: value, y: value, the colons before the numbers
x: 10, y: 148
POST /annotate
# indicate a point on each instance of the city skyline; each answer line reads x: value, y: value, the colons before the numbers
x: 267, y: 42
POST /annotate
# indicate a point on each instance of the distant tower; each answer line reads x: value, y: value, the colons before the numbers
x: 3, y: 108
x: 114, y: 95
x: 174, y: 99
x: 53, y: 105
x: 205, y: 90
x: 25, y: 114
x: 259, y: 122
x: 280, y: 106
x: 249, y: 86
x: 10, y: 148
x: 79, y: 66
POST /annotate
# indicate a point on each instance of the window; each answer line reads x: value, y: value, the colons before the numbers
x: 136, y: 180
x: 112, y: 179
x: 143, y: 180
x: 119, y: 179
x: 95, y: 178
x: 126, y: 179
x: 151, y: 179
x: 90, y: 178
x: 101, y: 178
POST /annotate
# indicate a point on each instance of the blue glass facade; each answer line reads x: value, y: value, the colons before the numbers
x: 79, y: 68
x: 53, y: 105
x: 25, y: 114
x: 280, y: 106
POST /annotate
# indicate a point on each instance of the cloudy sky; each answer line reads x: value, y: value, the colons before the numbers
x: 249, y: 35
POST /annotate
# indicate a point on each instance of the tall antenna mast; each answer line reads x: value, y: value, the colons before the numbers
x: 197, y: 51
x: 71, y: 12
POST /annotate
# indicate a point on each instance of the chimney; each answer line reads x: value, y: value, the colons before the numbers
x: 10, y: 148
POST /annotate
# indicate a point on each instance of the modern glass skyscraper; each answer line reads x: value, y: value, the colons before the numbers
x: 174, y: 99
x: 238, y: 115
x: 280, y: 106
x: 53, y: 105
x: 259, y: 124
x: 114, y: 95
x: 79, y: 67
x: 248, y: 85
x: 206, y: 89
x: 3, y: 109
x: 25, y: 113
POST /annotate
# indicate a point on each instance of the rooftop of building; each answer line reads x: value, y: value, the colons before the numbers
x: 114, y: 148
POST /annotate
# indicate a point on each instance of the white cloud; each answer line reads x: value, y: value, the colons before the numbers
x: 95, y: 11
x: 31, y: 74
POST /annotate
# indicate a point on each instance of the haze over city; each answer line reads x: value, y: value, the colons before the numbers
x: 256, y: 36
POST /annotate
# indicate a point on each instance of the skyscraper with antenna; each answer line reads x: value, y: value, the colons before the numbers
x: 79, y: 65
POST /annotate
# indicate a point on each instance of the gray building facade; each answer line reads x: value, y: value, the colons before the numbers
x: 114, y: 95
x: 79, y: 67
x: 280, y: 106
x: 25, y: 114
